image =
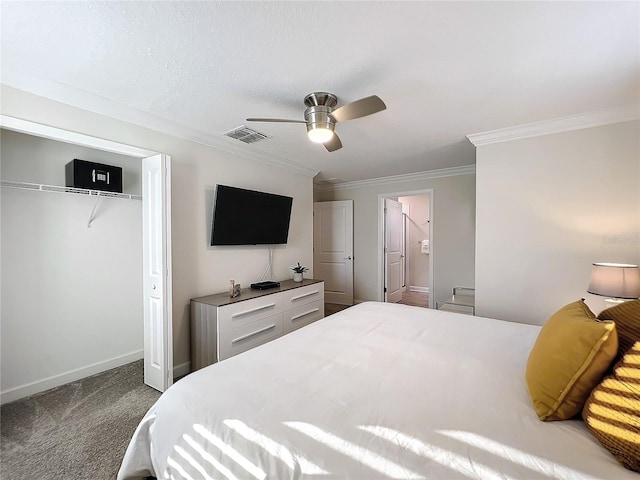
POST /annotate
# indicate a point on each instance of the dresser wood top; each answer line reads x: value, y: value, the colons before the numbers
x: 222, y: 299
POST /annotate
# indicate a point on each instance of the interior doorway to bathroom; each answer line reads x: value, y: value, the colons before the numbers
x: 405, y: 238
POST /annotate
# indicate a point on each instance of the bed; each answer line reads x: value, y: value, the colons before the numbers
x: 376, y: 391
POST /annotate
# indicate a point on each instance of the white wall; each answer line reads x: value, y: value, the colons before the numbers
x: 417, y: 230
x: 198, y: 269
x: 453, y: 242
x: 71, y: 295
x: 549, y: 206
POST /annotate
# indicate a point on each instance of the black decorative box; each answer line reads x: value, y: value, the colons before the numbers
x: 93, y: 176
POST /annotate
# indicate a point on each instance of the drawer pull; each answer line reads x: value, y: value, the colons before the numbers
x: 293, y: 299
x: 297, y: 317
x: 253, y: 310
x: 253, y: 334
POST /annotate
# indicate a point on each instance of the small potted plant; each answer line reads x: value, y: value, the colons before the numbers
x: 298, y: 270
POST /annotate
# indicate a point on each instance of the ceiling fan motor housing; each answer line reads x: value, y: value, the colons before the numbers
x: 318, y: 114
x: 321, y: 98
x: 319, y: 117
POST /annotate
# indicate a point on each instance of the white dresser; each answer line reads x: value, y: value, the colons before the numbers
x: 222, y: 327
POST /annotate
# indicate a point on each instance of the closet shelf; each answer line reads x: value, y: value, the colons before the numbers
x: 77, y: 191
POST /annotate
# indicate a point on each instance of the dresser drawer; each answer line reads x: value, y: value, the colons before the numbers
x: 244, y: 337
x: 243, y: 313
x: 303, y: 315
x: 303, y: 295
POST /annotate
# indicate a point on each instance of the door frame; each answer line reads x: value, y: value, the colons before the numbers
x: 381, y: 238
x: 67, y: 136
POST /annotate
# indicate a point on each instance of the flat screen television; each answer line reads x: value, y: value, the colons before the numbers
x: 248, y: 217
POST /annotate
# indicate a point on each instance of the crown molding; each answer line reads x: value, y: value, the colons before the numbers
x: 563, y: 124
x: 408, y: 177
x: 75, y: 97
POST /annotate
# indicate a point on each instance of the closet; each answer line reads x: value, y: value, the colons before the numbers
x: 71, y: 267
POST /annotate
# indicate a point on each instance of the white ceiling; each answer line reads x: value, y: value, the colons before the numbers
x: 444, y: 69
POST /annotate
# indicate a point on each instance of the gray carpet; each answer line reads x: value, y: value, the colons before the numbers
x: 331, y: 308
x: 77, y: 431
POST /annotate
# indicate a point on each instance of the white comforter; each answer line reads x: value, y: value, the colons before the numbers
x: 376, y: 391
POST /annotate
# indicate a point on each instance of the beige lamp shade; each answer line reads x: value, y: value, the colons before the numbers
x: 617, y: 280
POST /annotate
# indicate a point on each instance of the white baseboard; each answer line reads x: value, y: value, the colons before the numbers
x: 181, y: 370
x: 38, y: 386
x: 418, y: 289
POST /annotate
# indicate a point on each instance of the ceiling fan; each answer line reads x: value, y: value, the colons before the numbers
x: 321, y: 118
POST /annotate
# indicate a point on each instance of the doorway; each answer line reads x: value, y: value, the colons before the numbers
x: 156, y: 251
x: 405, y: 243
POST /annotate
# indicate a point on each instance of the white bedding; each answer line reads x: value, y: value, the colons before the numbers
x: 375, y: 391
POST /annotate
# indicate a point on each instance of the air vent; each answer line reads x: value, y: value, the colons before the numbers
x: 246, y: 134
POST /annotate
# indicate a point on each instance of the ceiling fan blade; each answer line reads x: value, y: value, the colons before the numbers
x: 277, y: 120
x: 333, y: 144
x: 359, y: 108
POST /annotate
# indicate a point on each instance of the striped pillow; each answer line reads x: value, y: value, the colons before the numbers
x: 626, y: 316
x: 612, y: 411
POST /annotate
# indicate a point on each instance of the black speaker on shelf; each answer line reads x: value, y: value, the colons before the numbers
x: 93, y: 176
x: 265, y: 285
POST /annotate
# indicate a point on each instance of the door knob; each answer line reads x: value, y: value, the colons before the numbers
x: 154, y: 287
x: 348, y: 258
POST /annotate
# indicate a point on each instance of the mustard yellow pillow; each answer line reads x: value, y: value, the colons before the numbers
x: 612, y: 411
x: 571, y: 354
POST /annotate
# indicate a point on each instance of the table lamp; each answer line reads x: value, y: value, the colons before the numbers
x: 619, y: 281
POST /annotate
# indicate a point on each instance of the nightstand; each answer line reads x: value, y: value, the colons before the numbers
x: 462, y: 300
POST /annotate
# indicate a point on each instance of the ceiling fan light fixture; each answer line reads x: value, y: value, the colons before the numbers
x: 319, y: 124
x: 319, y: 134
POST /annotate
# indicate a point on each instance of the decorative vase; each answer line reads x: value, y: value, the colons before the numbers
x: 297, y: 277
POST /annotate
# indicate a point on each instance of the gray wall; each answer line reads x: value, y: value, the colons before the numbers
x: 547, y: 208
x: 453, y: 242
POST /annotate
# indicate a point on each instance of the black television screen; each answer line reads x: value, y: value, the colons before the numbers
x: 247, y: 217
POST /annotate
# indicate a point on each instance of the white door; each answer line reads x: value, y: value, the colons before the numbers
x: 333, y: 249
x: 393, y: 250
x: 156, y: 235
